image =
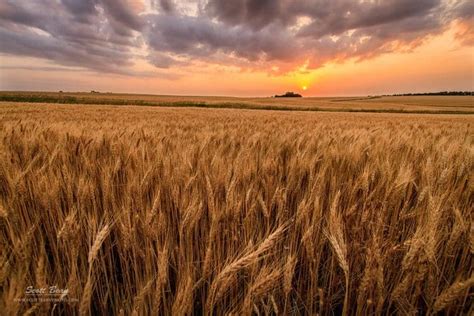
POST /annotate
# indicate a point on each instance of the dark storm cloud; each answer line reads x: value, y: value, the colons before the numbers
x: 104, y: 35
x: 92, y: 34
x: 167, y: 5
x: 198, y: 36
x: 121, y: 13
x: 94, y: 56
x: 81, y: 8
x: 268, y: 30
x: 350, y: 15
x: 254, y: 13
x: 334, y: 15
x: 465, y: 10
x: 12, y: 12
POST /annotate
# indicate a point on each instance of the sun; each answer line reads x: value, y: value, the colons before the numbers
x: 304, y: 88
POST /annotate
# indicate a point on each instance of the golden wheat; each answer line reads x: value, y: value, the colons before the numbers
x: 140, y: 210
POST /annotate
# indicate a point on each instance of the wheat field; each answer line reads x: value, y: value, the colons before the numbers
x: 425, y: 104
x: 142, y: 210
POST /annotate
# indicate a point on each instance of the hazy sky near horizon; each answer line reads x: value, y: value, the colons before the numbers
x: 237, y: 47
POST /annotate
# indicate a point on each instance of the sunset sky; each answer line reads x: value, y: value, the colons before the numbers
x: 237, y: 47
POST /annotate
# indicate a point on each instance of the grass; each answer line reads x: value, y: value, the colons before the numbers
x: 142, y: 210
x: 320, y: 105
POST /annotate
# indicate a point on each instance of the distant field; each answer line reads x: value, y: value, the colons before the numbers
x: 141, y: 210
x: 413, y: 104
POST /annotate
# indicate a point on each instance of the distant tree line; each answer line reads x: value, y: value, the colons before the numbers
x: 289, y: 95
x: 434, y: 93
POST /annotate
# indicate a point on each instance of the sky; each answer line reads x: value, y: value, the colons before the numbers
x: 237, y: 47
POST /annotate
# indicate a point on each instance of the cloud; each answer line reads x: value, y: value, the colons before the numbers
x: 93, y: 56
x: 343, y: 16
x: 41, y: 68
x: 111, y: 35
x: 121, y: 13
x: 81, y: 9
x: 200, y: 37
x: 167, y: 6
x: 253, y: 13
x: 73, y: 33
x: 464, y: 10
x: 271, y: 31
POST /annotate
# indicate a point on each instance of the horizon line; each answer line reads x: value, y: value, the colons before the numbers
x: 426, y: 93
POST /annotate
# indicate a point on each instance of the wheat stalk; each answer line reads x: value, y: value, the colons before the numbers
x: 452, y: 293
